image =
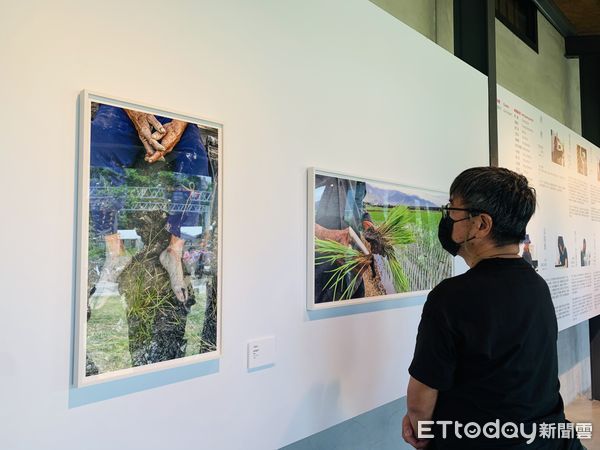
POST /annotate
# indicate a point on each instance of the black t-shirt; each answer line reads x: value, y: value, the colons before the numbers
x: 487, y: 343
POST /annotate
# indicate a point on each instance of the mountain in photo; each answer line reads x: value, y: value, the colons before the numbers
x: 378, y: 196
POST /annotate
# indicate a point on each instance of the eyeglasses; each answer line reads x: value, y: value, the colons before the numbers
x: 447, y: 208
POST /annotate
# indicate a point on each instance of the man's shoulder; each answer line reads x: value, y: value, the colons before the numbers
x: 450, y: 285
x: 464, y: 292
x: 458, y: 292
x: 440, y: 297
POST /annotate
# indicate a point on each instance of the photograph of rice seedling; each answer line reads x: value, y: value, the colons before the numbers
x: 371, y: 240
x: 149, y: 259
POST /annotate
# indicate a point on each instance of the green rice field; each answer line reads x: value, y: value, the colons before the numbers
x: 424, y: 262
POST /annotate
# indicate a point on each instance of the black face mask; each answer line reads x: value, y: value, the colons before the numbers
x: 445, y: 235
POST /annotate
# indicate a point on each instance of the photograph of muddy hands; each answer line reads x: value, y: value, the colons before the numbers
x: 149, y: 294
x: 371, y: 240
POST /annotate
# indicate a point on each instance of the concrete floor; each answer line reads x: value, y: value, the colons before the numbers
x: 584, y: 410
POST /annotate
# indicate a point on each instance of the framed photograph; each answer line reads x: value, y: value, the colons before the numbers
x: 371, y: 240
x: 149, y: 239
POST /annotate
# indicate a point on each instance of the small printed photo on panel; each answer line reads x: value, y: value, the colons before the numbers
x: 584, y: 254
x: 528, y: 252
x: 558, y: 150
x: 582, y: 160
x: 563, y: 255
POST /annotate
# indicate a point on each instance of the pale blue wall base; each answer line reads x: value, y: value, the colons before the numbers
x: 378, y: 429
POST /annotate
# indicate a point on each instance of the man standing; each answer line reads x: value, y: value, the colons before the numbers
x: 486, y: 346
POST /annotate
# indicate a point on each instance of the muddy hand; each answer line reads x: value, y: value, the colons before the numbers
x: 341, y: 236
x: 144, y: 124
x: 173, y: 132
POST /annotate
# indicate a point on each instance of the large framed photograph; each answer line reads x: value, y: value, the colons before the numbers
x: 149, y: 239
x: 370, y: 240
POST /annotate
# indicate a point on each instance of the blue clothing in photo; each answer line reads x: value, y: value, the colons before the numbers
x: 115, y: 146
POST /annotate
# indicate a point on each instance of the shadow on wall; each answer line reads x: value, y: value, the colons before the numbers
x: 573, y: 346
x: 104, y: 391
x: 380, y: 305
x: 574, y: 368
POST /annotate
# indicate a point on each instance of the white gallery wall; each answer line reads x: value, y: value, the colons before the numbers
x: 336, y: 84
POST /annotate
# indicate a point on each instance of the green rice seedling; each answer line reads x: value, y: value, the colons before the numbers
x: 148, y: 293
x: 393, y: 232
x: 400, y: 279
x: 383, y: 240
x: 350, y: 262
x: 147, y: 289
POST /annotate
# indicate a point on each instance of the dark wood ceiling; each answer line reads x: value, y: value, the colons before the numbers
x: 584, y: 15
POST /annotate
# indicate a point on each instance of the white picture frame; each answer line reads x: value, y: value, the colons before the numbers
x: 80, y: 379
x: 434, y: 198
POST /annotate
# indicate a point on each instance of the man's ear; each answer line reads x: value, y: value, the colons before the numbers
x: 485, y: 224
